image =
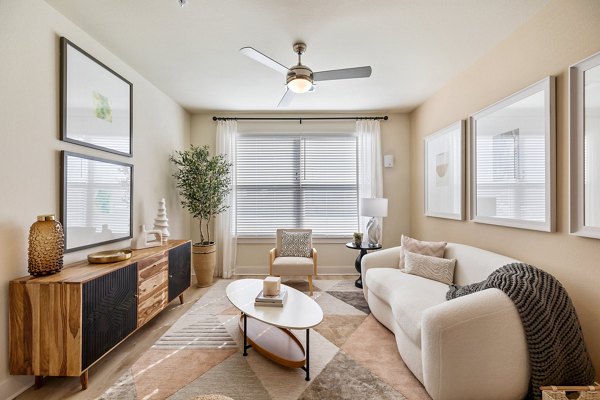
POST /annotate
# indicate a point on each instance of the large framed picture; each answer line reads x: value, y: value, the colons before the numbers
x: 96, y: 200
x: 96, y: 102
x: 584, y: 108
x: 444, y: 172
x: 513, y: 160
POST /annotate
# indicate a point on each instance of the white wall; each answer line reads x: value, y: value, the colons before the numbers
x: 333, y: 257
x: 29, y: 132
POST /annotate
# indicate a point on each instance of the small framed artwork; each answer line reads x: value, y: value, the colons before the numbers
x: 584, y: 108
x: 513, y: 160
x: 96, y: 102
x: 444, y: 172
x: 95, y: 200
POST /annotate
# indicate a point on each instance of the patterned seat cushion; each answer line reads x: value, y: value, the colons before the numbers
x: 295, y: 244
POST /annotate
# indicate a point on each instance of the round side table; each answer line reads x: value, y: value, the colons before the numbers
x: 364, y: 248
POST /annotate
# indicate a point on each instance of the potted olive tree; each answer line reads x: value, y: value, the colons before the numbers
x: 204, y: 183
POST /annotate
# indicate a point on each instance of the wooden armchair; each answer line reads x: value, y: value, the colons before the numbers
x: 293, y: 266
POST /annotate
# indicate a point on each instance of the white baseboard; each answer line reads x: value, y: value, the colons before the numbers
x: 325, y: 270
x: 13, y: 386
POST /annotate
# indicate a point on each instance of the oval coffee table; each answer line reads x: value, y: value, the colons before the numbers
x: 267, y: 329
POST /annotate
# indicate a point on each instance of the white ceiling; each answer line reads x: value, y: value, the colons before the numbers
x: 414, y: 46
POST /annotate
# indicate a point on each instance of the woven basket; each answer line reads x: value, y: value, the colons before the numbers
x: 571, y: 393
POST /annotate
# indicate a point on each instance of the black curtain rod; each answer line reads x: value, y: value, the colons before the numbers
x: 300, y: 119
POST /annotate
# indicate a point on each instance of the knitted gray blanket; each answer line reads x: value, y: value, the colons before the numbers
x: 557, y: 352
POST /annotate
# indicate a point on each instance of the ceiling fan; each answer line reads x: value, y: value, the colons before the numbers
x: 300, y: 78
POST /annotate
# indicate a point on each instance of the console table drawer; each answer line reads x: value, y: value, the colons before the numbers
x: 152, y: 303
x: 152, y: 265
x: 153, y: 287
x: 149, y: 286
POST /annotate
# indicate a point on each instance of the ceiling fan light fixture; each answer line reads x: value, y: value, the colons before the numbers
x: 300, y: 84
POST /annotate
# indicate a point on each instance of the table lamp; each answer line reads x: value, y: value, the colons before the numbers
x: 374, y: 208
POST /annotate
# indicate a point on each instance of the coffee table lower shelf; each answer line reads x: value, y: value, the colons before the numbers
x: 277, y: 344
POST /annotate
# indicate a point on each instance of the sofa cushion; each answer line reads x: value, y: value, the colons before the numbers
x: 435, y: 268
x: 408, y: 296
x: 293, y: 266
x: 434, y: 249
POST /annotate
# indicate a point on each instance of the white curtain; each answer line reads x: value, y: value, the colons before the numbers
x: 370, y: 164
x: 225, y: 222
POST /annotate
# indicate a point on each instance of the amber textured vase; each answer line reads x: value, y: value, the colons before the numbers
x: 46, y: 246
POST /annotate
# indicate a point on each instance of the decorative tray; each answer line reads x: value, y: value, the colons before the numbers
x: 109, y: 256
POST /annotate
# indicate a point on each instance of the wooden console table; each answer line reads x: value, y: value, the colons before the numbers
x: 61, y: 324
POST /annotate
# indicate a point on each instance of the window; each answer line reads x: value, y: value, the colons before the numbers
x: 296, y: 182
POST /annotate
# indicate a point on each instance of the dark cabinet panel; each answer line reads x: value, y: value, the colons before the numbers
x: 109, y: 312
x: 180, y: 273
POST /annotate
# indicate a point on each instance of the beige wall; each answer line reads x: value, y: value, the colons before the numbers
x: 560, y: 35
x: 30, y: 160
x: 333, y: 257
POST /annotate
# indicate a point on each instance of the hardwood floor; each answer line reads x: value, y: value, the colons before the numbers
x: 106, y: 372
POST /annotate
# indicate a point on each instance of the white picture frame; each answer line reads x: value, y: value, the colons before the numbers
x: 444, y: 178
x: 584, y: 131
x: 513, y: 166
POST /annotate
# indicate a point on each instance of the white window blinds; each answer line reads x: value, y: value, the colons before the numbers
x: 296, y: 182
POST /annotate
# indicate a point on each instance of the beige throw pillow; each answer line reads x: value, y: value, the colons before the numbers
x: 438, y: 269
x: 434, y: 249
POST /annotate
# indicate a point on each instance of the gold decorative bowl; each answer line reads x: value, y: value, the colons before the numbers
x: 109, y: 256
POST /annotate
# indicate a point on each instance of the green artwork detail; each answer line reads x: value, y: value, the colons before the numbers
x: 103, y: 201
x: 102, y: 104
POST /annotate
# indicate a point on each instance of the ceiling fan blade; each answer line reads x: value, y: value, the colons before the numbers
x: 347, y: 73
x: 287, y: 98
x: 261, y: 58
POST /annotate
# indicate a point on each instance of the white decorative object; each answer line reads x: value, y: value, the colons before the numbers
x: 444, y: 176
x: 271, y: 285
x: 140, y: 240
x: 161, y: 222
x: 374, y: 208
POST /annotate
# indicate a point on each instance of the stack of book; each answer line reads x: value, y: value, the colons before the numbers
x: 271, y: 301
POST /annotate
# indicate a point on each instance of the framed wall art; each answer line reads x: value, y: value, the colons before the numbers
x: 584, y: 108
x: 96, y: 102
x: 96, y: 200
x: 444, y: 172
x: 513, y: 160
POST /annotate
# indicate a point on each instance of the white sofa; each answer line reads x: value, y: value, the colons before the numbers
x: 472, y: 347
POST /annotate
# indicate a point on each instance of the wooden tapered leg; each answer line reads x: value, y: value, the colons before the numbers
x: 310, y: 286
x: 84, y: 380
x: 181, y: 298
x: 39, y: 381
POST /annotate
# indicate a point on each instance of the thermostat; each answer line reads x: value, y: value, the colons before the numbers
x: 388, y: 161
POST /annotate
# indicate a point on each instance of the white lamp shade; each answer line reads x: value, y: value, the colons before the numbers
x: 374, y: 207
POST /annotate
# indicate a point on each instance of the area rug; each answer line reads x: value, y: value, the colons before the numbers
x: 352, y: 356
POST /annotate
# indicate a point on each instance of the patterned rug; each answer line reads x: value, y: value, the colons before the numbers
x: 352, y: 356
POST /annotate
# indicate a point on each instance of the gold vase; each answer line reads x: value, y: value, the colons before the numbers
x: 46, y: 246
